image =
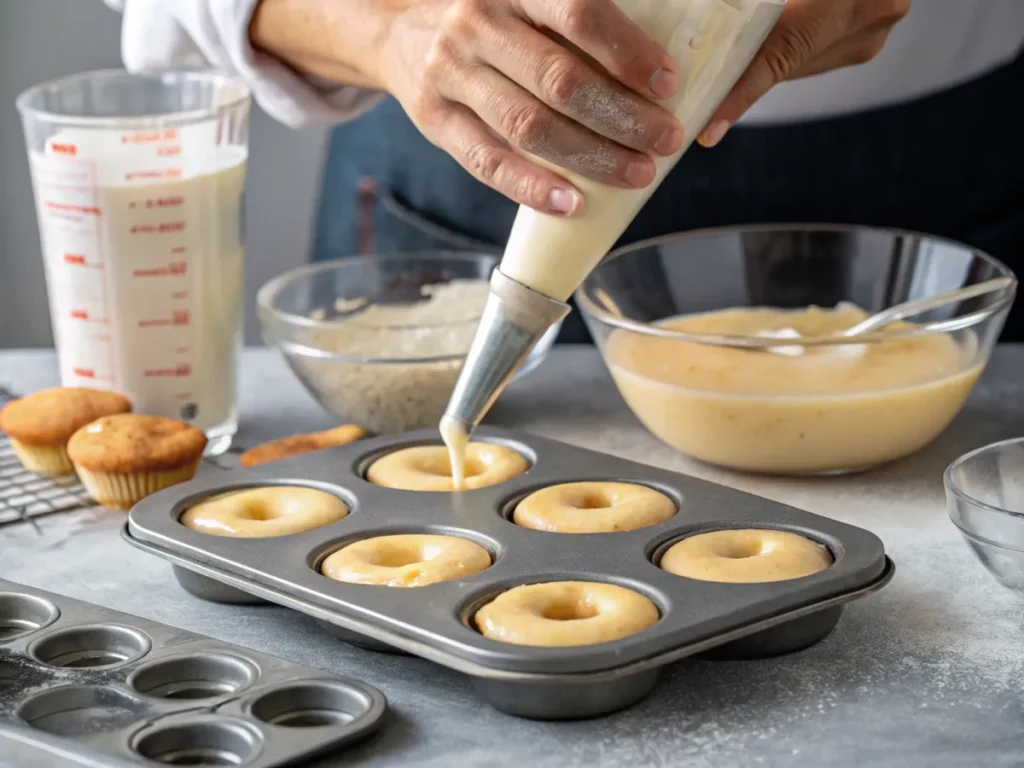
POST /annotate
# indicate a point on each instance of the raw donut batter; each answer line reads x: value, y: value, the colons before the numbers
x: 838, y: 408
x: 429, y: 468
x: 746, y: 556
x: 593, y: 507
x: 410, y: 560
x: 565, y: 613
x: 277, y: 510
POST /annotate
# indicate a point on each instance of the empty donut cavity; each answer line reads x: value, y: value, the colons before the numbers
x: 97, y: 646
x: 77, y: 710
x: 311, y: 704
x: 201, y: 676
x: 214, y: 741
x: 22, y: 614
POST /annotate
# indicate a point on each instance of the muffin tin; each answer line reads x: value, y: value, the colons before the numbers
x: 434, y: 622
x: 86, y: 685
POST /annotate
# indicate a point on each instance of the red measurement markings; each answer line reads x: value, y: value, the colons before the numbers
x: 149, y: 137
x: 179, y: 371
x: 172, y: 151
x: 159, y: 202
x: 181, y: 351
x: 63, y: 149
x: 164, y: 228
x: 78, y: 260
x: 178, y: 317
x: 174, y: 269
x: 180, y: 295
x: 177, y: 250
x: 81, y: 314
x: 85, y: 373
x: 184, y: 396
x: 98, y: 230
x: 70, y: 208
x: 166, y: 202
x: 169, y: 173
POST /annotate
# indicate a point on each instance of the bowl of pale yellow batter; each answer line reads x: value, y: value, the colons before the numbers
x: 985, y: 498
x: 725, y: 343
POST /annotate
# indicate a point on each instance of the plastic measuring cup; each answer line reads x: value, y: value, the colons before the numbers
x: 139, y: 187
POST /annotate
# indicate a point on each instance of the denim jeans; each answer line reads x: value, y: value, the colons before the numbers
x: 951, y: 164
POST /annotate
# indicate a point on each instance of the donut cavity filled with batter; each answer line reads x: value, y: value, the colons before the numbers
x: 565, y: 613
x: 428, y: 467
x: 406, y: 560
x: 269, y: 511
x: 593, y: 507
x: 746, y: 556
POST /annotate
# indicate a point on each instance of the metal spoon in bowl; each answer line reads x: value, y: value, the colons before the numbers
x: 895, y: 313
x: 914, y: 307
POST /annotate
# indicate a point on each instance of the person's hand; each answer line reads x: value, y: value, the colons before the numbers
x: 811, y: 37
x: 484, y: 78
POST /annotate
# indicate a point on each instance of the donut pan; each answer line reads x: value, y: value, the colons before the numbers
x: 85, y: 685
x: 435, y: 622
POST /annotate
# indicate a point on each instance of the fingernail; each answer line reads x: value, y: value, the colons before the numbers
x: 669, y: 141
x: 715, y: 132
x: 564, y: 201
x: 639, y: 174
x: 664, y: 83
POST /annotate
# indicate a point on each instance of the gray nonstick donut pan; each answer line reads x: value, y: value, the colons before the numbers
x: 435, y: 622
x: 85, y: 685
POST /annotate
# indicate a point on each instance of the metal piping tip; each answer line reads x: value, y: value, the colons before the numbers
x: 513, y: 321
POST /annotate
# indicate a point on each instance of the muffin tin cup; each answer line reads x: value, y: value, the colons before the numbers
x: 92, y: 686
x: 435, y: 622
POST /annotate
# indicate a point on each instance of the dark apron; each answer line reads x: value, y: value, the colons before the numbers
x: 950, y: 164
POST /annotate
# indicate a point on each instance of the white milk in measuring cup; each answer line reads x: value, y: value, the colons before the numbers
x: 142, y: 240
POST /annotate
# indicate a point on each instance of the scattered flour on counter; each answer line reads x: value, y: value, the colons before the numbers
x: 392, y: 368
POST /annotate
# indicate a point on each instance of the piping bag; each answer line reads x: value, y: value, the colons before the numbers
x: 547, y: 257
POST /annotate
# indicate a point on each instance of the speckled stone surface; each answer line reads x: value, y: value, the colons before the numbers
x: 929, y: 672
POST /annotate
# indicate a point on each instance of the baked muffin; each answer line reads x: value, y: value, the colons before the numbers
x: 295, y: 445
x: 39, y: 425
x: 122, y: 459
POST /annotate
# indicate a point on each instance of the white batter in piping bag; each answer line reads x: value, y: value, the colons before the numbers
x: 547, y: 257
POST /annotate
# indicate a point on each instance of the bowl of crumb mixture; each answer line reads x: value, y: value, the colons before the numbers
x: 379, y: 340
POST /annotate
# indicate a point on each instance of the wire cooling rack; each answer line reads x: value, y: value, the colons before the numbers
x: 25, y: 495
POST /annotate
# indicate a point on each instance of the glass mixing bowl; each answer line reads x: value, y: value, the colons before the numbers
x: 390, y: 367
x: 985, y: 498
x: 746, y: 400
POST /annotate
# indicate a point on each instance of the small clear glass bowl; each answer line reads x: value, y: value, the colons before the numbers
x: 985, y: 497
x: 382, y: 372
x: 745, y: 402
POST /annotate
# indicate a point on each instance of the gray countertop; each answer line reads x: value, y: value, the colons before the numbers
x: 929, y: 672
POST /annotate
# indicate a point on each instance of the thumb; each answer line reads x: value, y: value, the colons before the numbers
x: 782, y: 55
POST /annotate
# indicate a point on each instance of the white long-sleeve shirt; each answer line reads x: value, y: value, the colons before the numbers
x: 940, y: 44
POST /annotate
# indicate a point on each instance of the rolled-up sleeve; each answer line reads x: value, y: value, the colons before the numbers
x: 181, y: 34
